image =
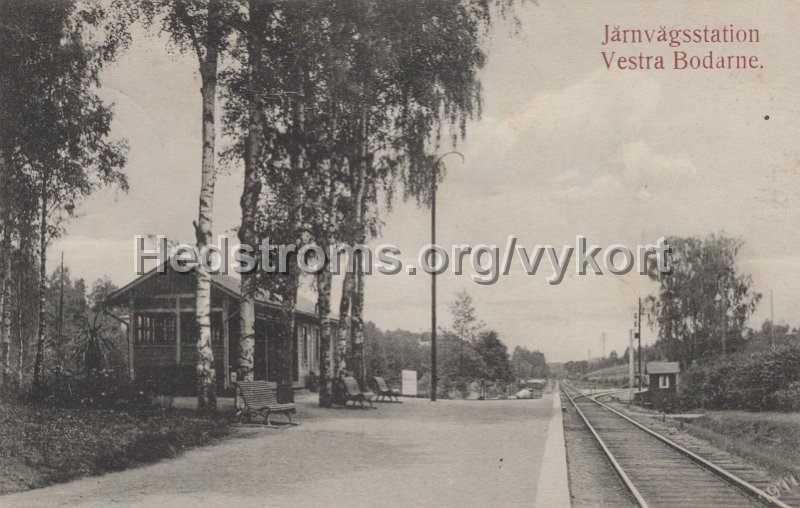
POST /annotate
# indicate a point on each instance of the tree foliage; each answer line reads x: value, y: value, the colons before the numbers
x: 703, y: 305
x: 346, y: 100
x: 767, y: 380
x: 527, y: 364
x: 206, y: 29
x: 55, y: 147
x: 494, y: 353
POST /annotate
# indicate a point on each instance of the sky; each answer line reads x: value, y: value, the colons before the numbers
x: 564, y: 147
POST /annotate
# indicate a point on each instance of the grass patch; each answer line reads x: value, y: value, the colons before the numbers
x: 42, y: 445
x: 770, y: 439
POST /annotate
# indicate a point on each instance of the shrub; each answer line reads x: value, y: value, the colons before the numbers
x: 765, y: 380
x: 786, y: 399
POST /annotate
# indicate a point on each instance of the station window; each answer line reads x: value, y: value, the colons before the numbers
x: 304, y: 332
x: 315, y: 357
x: 155, y: 328
x: 189, y: 327
x: 663, y: 381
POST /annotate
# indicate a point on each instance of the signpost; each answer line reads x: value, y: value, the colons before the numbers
x: 630, y: 367
x: 409, y: 378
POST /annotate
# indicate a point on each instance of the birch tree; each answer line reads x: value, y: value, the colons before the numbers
x: 703, y: 305
x: 251, y: 190
x: 202, y: 28
x: 414, y: 72
x: 202, y: 25
x: 382, y: 79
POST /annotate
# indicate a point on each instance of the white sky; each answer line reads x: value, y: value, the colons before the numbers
x: 564, y: 147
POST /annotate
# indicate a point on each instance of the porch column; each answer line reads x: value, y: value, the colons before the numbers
x: 131, y: 331
x: 178, y: 331
x: 225, y: 341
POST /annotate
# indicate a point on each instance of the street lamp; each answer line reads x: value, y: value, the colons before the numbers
x: 434, y: 184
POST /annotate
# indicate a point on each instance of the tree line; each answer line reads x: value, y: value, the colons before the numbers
x: 56, y: 149
x: 701, y: 308
x: 467, y: 351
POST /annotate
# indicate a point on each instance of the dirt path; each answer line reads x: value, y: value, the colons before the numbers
x: 449, y: 453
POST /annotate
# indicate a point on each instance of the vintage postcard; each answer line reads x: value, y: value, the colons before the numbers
x: 399, y: 253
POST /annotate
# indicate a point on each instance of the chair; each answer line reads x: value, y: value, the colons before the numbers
x: 260, y: 398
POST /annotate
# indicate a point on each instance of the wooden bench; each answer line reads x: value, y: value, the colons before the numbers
x: 383, y: 390
x: 352, y: 391
x: 260, y: 398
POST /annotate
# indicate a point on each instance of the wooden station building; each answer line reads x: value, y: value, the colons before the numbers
x: 159, y: 311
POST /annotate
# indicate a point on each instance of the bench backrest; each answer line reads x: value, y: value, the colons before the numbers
x: 351, y: 385
x: 258, y: 394
x: 381, y: 384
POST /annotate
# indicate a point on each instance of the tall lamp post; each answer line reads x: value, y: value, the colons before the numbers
x: 434, y: 184
x: 639, y: 336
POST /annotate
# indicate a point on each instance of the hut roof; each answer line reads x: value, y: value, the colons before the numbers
x: 663, y: 368
x: 220, y: 282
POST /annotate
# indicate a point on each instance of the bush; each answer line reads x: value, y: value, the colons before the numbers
x: 786, y: 399
x: 762, y: 381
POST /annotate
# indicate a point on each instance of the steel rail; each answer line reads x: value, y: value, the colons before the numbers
x: 726, y: 475
x: 617, y: 467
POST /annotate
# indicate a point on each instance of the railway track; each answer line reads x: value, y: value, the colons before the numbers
x: 657, y: 471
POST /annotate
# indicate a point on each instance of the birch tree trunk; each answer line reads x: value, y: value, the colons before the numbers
x: 357, y: 323
x: 286, y: 351
x: 324, y: 279
x: 4, y: 339
x: 24, y: 248
x: 285, y: 343
x: 4, y: 302
x: 42, y: 296
x: 250, y: 193
x: 324, y: 285
x: 357, y: 298
x: 343, y: 332
x: 5, y: 313
x: 5, y: 291
x: 206, y: 374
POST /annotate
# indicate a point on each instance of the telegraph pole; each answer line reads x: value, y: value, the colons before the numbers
x: 603, y: 344
x: 630, y: 366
